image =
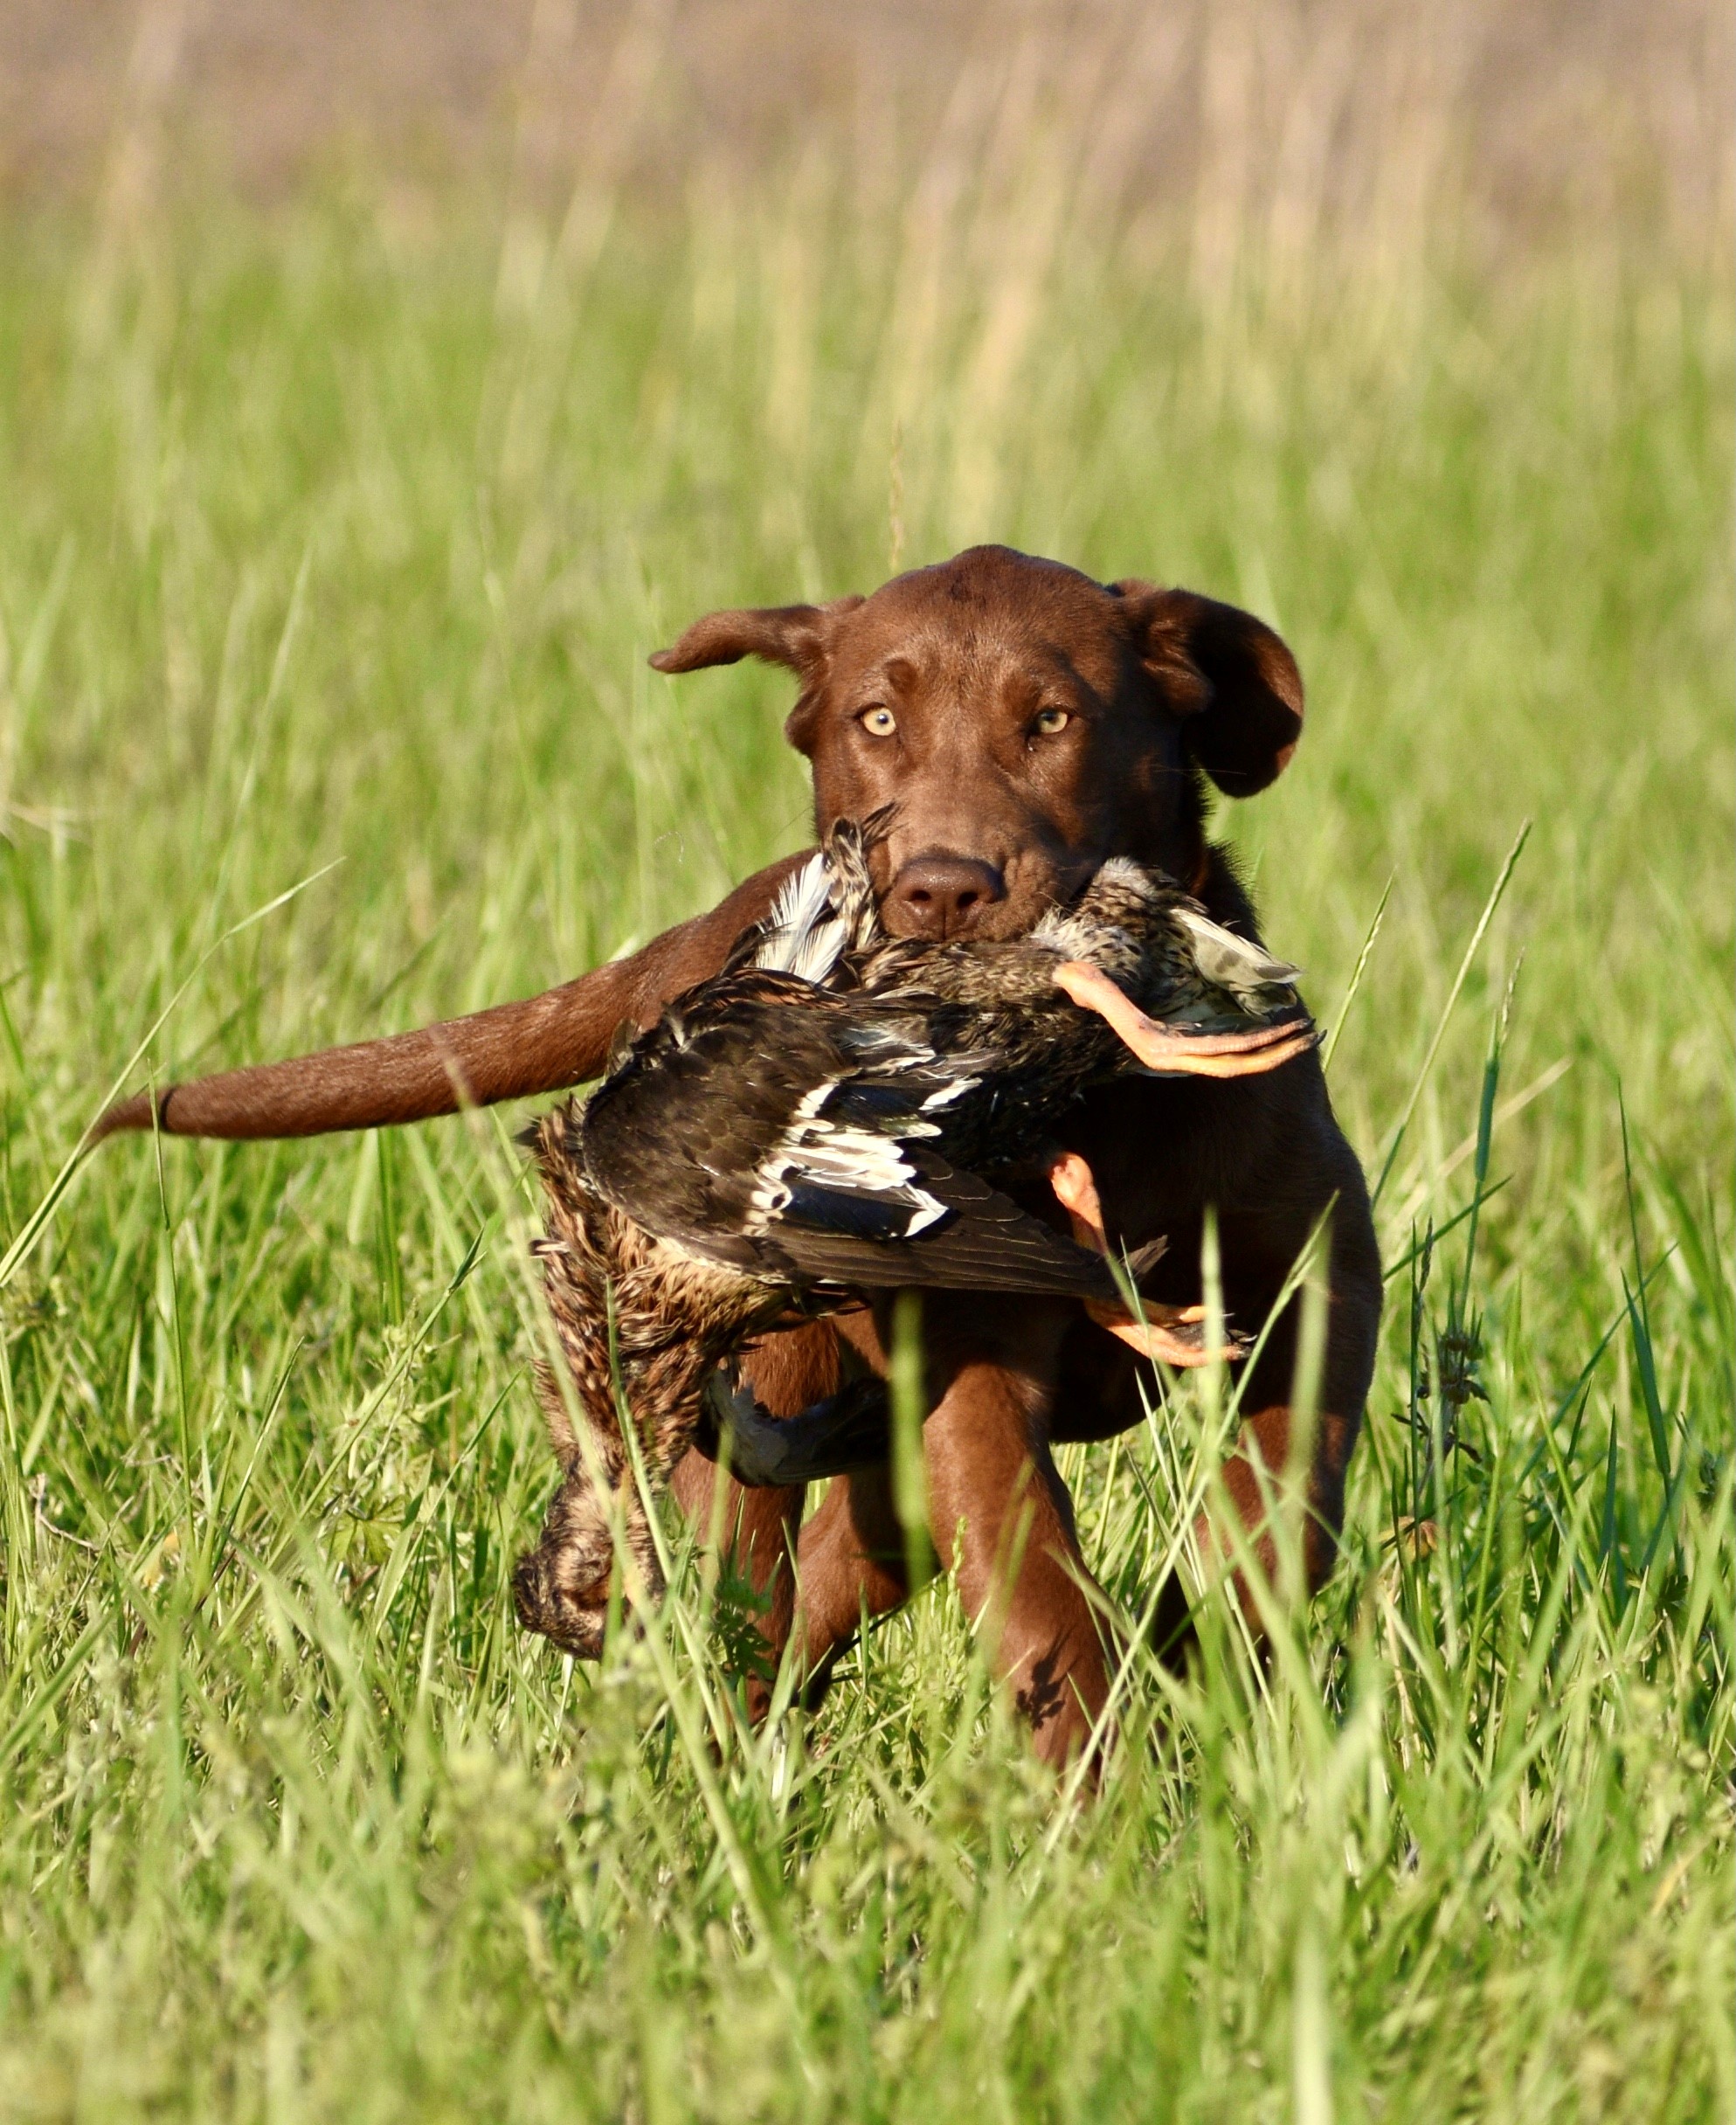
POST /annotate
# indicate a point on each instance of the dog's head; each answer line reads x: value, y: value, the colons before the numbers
x: 1025, y: 721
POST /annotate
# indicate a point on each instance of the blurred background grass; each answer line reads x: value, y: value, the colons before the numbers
x: 377, y: 387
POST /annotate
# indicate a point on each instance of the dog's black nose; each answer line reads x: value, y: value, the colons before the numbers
x: 940, y: 896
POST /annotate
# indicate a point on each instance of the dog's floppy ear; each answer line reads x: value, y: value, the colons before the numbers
x: 797, y: 636
x: 1228, y: 675
x: 793, y: 635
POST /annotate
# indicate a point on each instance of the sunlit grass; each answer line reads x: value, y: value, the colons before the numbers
x: 318, y: 550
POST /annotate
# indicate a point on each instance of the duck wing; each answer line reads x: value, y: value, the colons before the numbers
x: 877, y: 1226
x: 794, y: 1141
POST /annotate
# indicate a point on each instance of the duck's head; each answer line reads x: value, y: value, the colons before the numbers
x: 570, y: 1609
x: 561, y: 1589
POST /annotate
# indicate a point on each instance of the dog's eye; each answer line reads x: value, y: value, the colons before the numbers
x: 1048, y: 720
x: 878, y: 722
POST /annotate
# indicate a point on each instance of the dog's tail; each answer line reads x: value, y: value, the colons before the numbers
x: 514, y: 1051
x: 511, y: 1052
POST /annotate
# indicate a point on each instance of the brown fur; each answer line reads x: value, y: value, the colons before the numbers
x: 996, y: 820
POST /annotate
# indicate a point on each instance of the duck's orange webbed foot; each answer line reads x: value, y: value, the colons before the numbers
x: 1176, y: 1052
x: 1169, y: 1333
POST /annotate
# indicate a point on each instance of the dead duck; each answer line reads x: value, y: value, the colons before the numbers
x: 805, y: 1128
x: 819, y: 1113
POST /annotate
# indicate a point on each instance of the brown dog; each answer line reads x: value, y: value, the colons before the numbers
x: 1027, y: 723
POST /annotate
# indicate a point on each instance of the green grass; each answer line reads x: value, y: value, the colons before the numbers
x: 326, y: 542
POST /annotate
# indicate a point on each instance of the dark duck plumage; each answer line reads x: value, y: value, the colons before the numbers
x: 813, y: 1125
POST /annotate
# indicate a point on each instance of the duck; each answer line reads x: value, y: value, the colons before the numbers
x: 819, y: 1114
x: 826, y: 1119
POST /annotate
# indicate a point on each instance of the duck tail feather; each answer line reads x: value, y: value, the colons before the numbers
x: 1234, y: 963
x: 803, y: 935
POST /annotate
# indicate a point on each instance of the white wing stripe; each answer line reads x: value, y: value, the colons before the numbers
x: 851, y: 1161
x: 948, y: 1093
x: 926, y: 1215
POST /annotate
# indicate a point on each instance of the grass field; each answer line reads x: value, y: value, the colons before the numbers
x: 333, y: 543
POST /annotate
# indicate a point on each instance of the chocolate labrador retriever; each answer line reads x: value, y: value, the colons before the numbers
x: 1026, y: 723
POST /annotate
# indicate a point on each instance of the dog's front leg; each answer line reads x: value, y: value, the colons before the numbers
x: 998, y: 1512
x: 1001, y: 1517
